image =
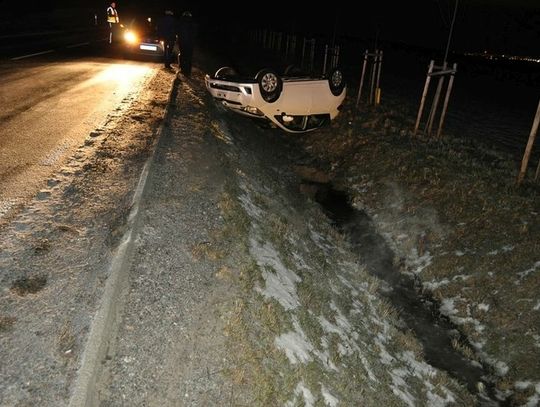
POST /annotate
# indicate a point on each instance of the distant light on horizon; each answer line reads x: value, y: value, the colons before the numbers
x: 492, y: 56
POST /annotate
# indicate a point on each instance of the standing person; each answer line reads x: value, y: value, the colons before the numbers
x: 186, y: 42
x: 113, y: 20
x: 167, y: 29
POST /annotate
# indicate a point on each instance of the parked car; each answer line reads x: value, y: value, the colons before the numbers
x: 293, y: 102
x: 140, y: 37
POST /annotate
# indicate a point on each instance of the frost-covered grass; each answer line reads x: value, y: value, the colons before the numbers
x: 310, y: 328
x: 454, y: 218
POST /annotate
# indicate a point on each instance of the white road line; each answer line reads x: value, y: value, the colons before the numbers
x: 81, y: 44
x: 33, y: 55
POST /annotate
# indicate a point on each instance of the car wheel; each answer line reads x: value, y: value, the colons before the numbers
x: 270, y: 85
x: 336, y: 81
x: 225, y: 72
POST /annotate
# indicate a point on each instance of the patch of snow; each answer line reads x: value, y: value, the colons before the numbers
x: 478, y: 345
x: 422, y: 371
x: 500, y: 368
x: 319, y: 240
x: 305, y: 393
x: 459, y: 253
x: 280, y: 281
x: 252, y: 210
x: 400, y: 388
x: 418, y: 263
x: 505, y: 249
x: 461, y: 277
x: 348, y: 344
x: 447, y: 307
x: 522, y: 385
x: 324, y: 356
x: 329, y: 399
x: 419, y: 368
x: 433, y: 285
x: 367, y: 367
x: 537, y: 339
x: 300, y: 262
x: 525, y: 273
x: 534, y: 400
x: 343, y: 329
x: 537, y: 306
x: 385, y: 357
x: 436, y: 400
x: 348, y: 284
x: 295, y: 344
x: 483, y: 307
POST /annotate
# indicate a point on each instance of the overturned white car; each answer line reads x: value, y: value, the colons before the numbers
x: 293, y: 103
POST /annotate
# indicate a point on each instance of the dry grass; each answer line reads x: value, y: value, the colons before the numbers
x: 6, y: 323
x: 66, y: 339
x: 479, y: 211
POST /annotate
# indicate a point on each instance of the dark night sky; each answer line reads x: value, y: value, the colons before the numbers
x: 511, y: 26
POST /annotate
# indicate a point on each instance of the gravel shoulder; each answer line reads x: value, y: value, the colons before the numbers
x: 55, y: 253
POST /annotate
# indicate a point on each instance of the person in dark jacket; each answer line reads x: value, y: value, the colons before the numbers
x: 167, y: 28
x: 186, y: 41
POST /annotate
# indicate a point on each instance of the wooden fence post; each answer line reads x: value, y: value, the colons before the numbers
x: 372, y: 73
x: 529, y: 147
x: 377, y: 88
x: 435, y: 105
x: 424, y: 95
x: 362, y: 78
x: 447, y: 99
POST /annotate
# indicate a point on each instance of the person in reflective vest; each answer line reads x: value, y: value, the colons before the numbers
x: 113, y: 20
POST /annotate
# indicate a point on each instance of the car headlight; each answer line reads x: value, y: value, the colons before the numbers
x: 130, y: 37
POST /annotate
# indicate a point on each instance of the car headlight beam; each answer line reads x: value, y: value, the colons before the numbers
x: 130, y: 37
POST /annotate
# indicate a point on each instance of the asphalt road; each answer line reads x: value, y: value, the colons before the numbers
x: 51, y: 99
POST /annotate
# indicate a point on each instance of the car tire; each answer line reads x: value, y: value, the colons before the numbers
x: 336, y: 81
x: 270, y: 85
x: 225, y: 72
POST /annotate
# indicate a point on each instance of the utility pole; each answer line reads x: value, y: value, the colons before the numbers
x: 451, y: 32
